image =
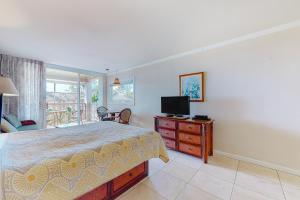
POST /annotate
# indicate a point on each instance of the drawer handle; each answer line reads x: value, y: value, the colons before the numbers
x: 190, y: 127
x: 130, y: 174
x: 190, y: 138
x: 190, y: 149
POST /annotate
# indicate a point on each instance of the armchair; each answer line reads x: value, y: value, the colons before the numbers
x: 123, y: 117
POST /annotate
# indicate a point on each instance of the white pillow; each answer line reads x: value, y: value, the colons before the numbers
x: 7, y: 127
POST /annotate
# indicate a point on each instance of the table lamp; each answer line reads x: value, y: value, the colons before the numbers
x: 7, y: 88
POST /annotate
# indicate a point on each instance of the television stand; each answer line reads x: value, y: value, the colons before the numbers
x: 170, y: 115
x: 176, y: 116
x: 193, y: 137
x: 180, y: 117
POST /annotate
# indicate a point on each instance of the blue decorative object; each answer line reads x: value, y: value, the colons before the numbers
x: 192, y: 85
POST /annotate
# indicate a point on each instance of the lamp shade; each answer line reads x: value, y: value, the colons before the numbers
x: 117, y: 81
x: 7, y: 87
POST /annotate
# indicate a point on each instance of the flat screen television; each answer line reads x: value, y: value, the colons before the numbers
x: 179, y: 105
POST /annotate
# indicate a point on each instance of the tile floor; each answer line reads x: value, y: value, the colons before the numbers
x: 187, y: 178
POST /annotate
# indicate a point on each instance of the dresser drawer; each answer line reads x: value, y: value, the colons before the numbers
x: 125, y: 178
x: 170, y: 143
x: 192, y: 128
x: 167, y: 133
x: 190, y: 149
x: 166, y: 124
x: 194, y: 139
x: 99, y: 193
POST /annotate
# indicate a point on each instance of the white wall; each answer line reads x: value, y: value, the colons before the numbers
x: 252, y: 92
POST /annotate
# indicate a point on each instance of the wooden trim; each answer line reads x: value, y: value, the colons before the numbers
x: 156, y: 124
x: 185, y: 120
x: 203, y: 84
x: 212, y: 140
x: 205, y: 143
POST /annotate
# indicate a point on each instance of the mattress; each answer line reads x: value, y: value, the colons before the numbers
x: 64, y: 163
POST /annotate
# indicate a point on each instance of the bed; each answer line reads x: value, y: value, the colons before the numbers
x: 70, y: 163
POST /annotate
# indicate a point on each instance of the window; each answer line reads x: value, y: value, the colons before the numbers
x: 66, y: 87
x: 122, y: 94
x: 50, y: 86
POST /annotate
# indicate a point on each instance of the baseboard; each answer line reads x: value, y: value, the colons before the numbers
x: 259, y: 162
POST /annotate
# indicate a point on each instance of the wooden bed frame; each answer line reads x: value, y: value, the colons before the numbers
x: 119, y: 185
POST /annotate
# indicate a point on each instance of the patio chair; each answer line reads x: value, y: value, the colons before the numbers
x: 102, y: 113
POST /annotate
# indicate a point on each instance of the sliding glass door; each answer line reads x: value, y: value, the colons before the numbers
x: 91, y: 91
x: 91, y: 97
x: 72, y: 98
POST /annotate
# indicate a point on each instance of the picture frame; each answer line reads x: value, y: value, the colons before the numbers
x: 192, y: 85
x: 123, y: 94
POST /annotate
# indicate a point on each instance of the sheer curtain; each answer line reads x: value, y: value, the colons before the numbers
x: 29, y: 78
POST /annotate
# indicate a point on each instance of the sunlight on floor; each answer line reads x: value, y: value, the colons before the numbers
x: 188, y: 178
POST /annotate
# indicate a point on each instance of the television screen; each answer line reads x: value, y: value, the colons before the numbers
x: 179, y: 105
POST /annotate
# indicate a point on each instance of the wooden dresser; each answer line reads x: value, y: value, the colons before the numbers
x: 192, y: 137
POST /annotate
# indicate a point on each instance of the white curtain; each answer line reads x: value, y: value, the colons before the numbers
x: 29, y: 78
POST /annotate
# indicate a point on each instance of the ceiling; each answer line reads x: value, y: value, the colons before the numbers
x: 119, y: 34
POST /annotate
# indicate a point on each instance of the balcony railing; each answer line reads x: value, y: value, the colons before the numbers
x: 65, y: 113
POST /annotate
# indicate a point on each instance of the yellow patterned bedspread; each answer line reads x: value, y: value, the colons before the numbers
x: 64, y: 163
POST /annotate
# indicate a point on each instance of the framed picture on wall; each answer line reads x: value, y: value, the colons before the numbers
x: 123, y: 94
x: 192, y: 85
